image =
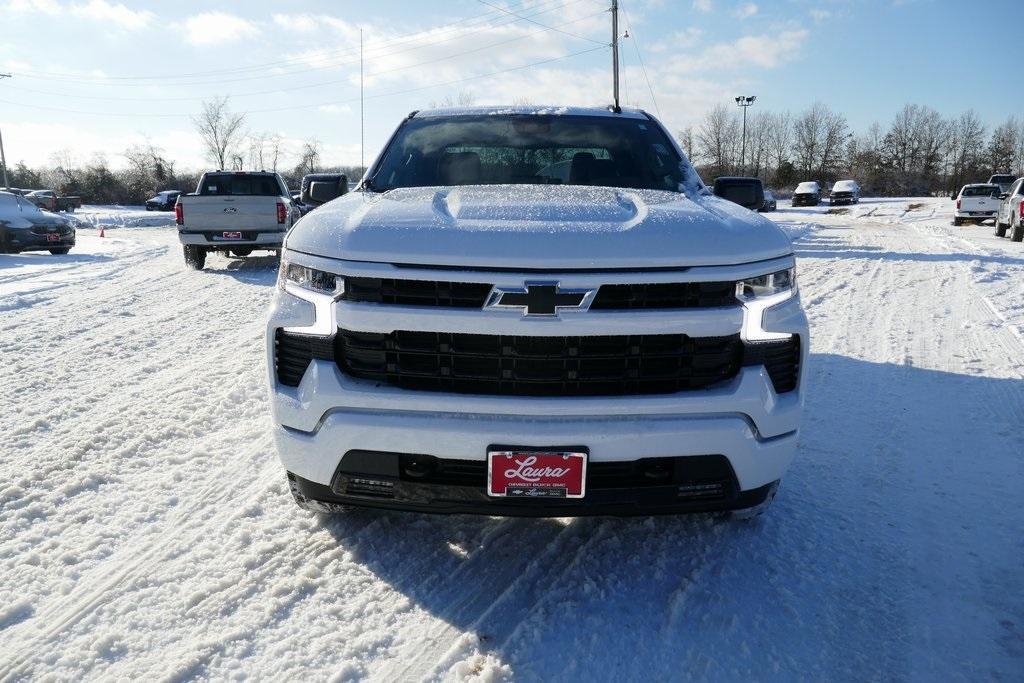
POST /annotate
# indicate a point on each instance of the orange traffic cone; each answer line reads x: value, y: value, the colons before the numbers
x: 102, y: 234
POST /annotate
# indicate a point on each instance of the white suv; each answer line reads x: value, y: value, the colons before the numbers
x: 540, y: 313
x: 1010, y: 214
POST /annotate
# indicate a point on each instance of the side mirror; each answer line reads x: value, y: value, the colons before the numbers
x: 1004, y: 195
x: 322, y: 192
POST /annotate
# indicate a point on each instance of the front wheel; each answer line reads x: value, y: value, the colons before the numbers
x: 195, y: 257
x: 957, y: 222
x: 61, y: 251
x: 1000, y: 227
x: 241, y: 253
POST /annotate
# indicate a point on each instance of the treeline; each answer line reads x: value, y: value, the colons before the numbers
x: 919, y: 153
x: 147, y: 171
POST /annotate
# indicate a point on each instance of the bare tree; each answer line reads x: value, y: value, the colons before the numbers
x: 257, y: 143
x: 276, y: 149
x: 309, y: 160
x: 1002, y: 148
x: 780, y: 138
x: 220, y: 130
x: 688, y: 141
x: 820, y: 135
x: 718, y: 139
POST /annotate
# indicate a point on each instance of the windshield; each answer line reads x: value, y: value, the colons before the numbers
x: 1002, y: 179
x: 530, y: 150
x: 239, y: 184
x: 981, y: 191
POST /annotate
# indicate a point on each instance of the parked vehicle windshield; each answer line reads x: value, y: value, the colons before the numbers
x: 240, y: 184
x: 530, y: 150
x: 981, y: 191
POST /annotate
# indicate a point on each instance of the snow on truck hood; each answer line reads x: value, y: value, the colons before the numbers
x: 537, y: 226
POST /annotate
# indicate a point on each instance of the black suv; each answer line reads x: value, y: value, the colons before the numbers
x: 747, y: 192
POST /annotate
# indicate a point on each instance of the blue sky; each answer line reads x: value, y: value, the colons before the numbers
x: 94, y: 76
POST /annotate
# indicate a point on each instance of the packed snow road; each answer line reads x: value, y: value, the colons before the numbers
x: 146, y: 530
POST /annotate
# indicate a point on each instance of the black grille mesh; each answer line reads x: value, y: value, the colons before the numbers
x: 474, y: 294
x: 539, y: 366
x: 293, y: 353
x: 780, y: 358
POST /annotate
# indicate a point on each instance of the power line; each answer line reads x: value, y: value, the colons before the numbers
x: 318, y: 84
x: 322, y: 104
x: 514, y: 14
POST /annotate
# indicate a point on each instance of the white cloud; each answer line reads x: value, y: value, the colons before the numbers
x: 702, y: 5
x: 212, y: 28
x: 680, y: 40
x: 766, y: 51
x: 820, y: 14
x: 116, y: 15
x: 745, y: 11
x: 108, y: 13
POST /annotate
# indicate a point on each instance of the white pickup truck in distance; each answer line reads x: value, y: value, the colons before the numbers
x: 536, y: 312
x: 234, y: 211
x: 1010, y: 215
x: 976, y: 203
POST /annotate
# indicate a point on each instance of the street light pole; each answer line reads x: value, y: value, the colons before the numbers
x: 3, y: 159
x: 744, y: 102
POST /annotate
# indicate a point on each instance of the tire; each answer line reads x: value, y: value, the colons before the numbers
x: 1000, y: 227
x: 149, y: 208
x: 1017, y: 232
x: 957, y: 222
x: 195, y: 257
x: 60, y: 251
x: 241, y: 253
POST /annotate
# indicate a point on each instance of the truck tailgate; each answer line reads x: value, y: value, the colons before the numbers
x: 231, y: 213
x: 979, y: 204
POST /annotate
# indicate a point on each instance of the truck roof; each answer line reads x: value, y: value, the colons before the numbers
x: 527, y: 110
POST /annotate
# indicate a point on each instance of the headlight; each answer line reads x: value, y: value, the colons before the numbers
x: 311, y: 279
x: 764, y: 286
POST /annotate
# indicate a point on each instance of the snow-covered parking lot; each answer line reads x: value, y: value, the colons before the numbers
x: 146, y: 531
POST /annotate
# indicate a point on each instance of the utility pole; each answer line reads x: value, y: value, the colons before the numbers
x: 362, y: 115
x: 3, y: 159
x: 615, y: 53
x: 744, y: 102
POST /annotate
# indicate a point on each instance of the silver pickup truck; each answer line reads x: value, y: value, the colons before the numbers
x: 234, y: 212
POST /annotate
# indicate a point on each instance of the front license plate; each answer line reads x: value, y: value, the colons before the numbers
x: 232, y: 235
x: 52, y: 237
x: 536, y: 474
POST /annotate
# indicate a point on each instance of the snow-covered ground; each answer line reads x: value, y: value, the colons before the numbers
x: 146, y: 531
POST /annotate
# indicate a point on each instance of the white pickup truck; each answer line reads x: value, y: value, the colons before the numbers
x: 976, y: 203
x: 236, y: 212
x: 538, y: 312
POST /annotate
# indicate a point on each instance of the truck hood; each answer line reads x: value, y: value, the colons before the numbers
x: 537, y: 226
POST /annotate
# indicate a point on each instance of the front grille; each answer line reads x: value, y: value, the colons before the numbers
x: 293, y: 353
x: 666, y: 295
x: 474, y: 294
x: 698, y: 476
x: 539, y: 366
x: 780, y: 358
x: 416, y: 292
x: 43, y: 230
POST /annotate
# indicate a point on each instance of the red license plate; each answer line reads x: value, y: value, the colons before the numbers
x: 52, y: 237
x: 232, y: 235
x: 536, y: 474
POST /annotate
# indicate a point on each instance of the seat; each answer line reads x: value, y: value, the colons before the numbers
x: 459, y: 168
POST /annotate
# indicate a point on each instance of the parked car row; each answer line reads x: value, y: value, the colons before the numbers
x: 26, y: 227
x: 46, y: 199
x: 1010, y: 214
x: 1000, y: 200
x: 751, y: 193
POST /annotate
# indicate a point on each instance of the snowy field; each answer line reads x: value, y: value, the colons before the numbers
x: 146, y: 532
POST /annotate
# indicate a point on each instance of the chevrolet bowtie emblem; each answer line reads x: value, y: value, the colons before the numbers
x: 540, y: 299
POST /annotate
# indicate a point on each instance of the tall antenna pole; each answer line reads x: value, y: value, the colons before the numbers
x: 362, y: 116
x: 615, y: 52
x: 3, y: 159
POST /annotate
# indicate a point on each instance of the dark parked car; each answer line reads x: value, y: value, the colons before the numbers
x: 807, y: 194
x: 25, y: 227
x: 748, y: 192
x: 163, y: 201
x: 770, y: 203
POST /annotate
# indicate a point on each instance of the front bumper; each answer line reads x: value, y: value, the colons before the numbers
x: 214, y: 239
x: 330, y: 414
x: 24, y: 240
